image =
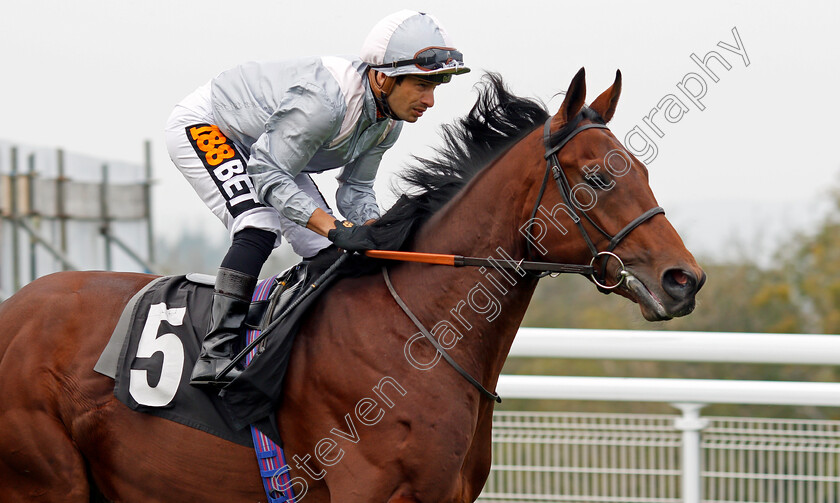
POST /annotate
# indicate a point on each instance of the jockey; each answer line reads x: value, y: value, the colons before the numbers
x: 248, y: 140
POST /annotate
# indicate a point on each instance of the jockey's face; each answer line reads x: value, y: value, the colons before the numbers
x: 411, y: 97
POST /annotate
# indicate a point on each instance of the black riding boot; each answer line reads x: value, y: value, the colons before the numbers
x: 231, y: 299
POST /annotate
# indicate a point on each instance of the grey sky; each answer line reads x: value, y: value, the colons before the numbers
x: 98, y: 77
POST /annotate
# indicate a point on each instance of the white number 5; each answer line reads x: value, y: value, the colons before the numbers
x: 173, y: 358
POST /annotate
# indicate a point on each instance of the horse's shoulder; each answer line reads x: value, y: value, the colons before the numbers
x: 351, y: 293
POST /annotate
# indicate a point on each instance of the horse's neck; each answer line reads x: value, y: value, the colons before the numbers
x: 485, y: 305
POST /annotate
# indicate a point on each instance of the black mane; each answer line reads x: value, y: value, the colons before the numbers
x: 496, y: 121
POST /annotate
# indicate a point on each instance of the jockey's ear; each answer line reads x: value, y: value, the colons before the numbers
x: 573, y: 101
x: 606, y: 103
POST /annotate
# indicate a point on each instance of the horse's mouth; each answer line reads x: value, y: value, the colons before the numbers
x: 651, y: 305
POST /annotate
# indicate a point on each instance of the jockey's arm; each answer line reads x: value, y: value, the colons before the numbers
x: 286, y: 147
x: 322, y: 222
x: 355, y: 197
x: 290, y: 140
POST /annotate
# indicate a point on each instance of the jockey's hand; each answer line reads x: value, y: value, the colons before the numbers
x: 352, y: 237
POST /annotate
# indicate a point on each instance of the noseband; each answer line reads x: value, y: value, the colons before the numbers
x: 566, y: 133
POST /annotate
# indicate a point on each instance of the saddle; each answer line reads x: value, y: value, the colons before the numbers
x: 283, y: 289
x: 158, y: 338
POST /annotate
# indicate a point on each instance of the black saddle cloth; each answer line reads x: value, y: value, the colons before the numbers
x: 159, y: 338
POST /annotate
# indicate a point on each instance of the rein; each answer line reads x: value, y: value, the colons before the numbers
x: 522, y: 266
x: 539, y: 269
x: 435, y: 343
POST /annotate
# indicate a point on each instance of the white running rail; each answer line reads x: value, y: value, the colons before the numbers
x: 688, y: 395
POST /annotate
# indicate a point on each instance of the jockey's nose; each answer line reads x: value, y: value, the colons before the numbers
x: 428, y: 98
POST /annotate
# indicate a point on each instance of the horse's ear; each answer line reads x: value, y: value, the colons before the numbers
x: 606, y: 103
x: 573, y: 102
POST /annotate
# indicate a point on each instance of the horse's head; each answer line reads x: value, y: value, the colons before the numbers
x: 598, y: 203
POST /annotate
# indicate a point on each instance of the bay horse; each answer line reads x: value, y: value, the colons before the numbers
x: 369, y: 412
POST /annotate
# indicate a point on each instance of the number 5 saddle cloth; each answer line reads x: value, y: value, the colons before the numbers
x: 158, y: 338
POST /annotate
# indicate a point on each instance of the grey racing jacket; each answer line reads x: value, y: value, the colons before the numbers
x: 306, y: 116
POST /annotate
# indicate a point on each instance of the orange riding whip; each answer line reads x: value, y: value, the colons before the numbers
x: 461, y: 261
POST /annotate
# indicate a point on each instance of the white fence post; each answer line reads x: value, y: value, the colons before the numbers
x: 691, y: 424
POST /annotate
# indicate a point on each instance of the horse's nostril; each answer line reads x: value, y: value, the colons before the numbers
x: 679, y: 283
x: 680, y: 277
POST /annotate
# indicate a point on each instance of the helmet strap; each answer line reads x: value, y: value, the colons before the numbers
x: 380, y: 93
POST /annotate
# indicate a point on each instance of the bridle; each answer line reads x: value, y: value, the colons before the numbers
x: 537, y: 268
x: 566, y: 133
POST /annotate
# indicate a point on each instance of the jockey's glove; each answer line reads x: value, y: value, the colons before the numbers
x: 352, y: 237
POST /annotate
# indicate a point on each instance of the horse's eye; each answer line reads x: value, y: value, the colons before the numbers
x: 598, y: 181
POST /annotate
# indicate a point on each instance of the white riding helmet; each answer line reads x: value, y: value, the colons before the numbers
x: 412, y: 43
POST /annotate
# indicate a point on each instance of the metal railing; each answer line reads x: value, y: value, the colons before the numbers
x: 659, y: 458
x: 68, y: 212
x: 618, y: 458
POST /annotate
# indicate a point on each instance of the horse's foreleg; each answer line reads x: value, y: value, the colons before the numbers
x: 38, y: 461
